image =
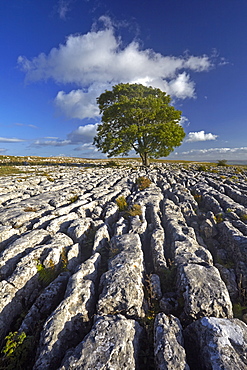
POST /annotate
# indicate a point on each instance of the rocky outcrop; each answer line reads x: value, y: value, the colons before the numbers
x: 159, y: 283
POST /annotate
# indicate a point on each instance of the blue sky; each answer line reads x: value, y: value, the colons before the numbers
x: 57, y: 56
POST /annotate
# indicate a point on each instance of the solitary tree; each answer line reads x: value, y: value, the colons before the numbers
x: 140, y: 118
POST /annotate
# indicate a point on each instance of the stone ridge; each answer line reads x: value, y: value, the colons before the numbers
x: 160, y: 284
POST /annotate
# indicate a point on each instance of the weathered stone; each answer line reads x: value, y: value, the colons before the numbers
x: 215, y: 343
x: 154, y: 283
x: 208, y: 230
x: 61, y: 223
x: 101, y: 238
x: 111, y: 213
x: 56, y: 248
x: 169, y: 352
x: 21, y: 289
x: 189, y: 251
x: 229, y: 277
x: 203, y: 291
x: 20, y: 247
x: 157, y: 239
x: 45, y: 303
x: 7, y: 235
x: 169, y: 303
x: 112, y: 343
x: 78, y: 228
x: 122, y: 284
x: 70, y: 321
x: 121, y: 226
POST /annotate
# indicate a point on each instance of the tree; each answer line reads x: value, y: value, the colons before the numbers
x: 140, y: 118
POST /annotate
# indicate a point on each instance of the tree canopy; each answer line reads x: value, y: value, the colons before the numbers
x: 140, y: 118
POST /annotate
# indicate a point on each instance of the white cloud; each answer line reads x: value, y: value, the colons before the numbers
x: 51, y: 142
x: 79, y: 104
x: 63, y: 8
x: 82, y: 135
x: 98, y: 60
x: 200, y: 136
x: 10, y: 140
x: 184, y: 121
x: 214, y: 154
x: 28, y: 125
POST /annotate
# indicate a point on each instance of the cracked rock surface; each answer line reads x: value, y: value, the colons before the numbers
x: 98, y: 273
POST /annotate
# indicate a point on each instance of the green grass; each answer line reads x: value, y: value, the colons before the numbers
x: 9, y: 170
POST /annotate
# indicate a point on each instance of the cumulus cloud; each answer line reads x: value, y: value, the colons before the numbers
x: 83, y: 135
x: 99, y: 59
x: 200, y: 136
x: 10, y: 140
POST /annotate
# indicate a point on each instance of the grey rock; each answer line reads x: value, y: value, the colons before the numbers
x: 207, y: 229
x: 169, y: 304
x: 229, y: 277
x: 78, y: 228
x: 7, y: 235
x: 70, y: 321
x: 45, y: 303
x: 61, y: 223
x: 217, y: 343
x: 101, y: 238
x: 20, y: 247
x: 122, y: 284
x: 203, y: 291
x: 21, y: 289
x: 121, y: 226
x: 169, y: 352
x: 112, y: 343
x: 157, y: 243
x: 56, y: 247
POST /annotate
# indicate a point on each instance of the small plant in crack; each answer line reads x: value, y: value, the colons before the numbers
x: 143, y: 183
x: 50, y: 273
x: 73, y: 199
x: 128, y: 210
x: 122, y: 203
x: 16, y: 352
x: 219, y: 217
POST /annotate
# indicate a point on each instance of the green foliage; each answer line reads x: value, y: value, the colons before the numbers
x: 74, y: 199
x: 50, y: 273
x: 16, y: 351
x: 140, y: 118
x: 134, y: 210
x: 143, y: 182
x: 122, y: 203
x: 128, y: 210
x: 243, y: 217
x: 239, y: 310
x: 202, y: 168
x: 112, y: 164
x: 168, y: 279
x: 8, y: 170
x: 222, y: 162
x: 219, y: 217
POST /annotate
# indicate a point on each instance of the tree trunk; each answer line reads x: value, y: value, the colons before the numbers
x: 145, y: 159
